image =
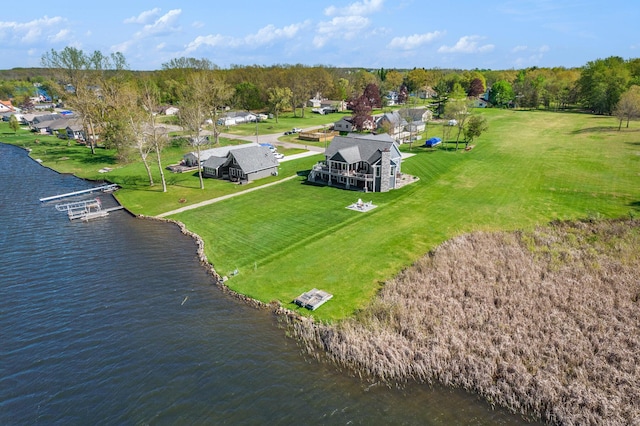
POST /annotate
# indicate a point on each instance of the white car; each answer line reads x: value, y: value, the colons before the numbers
x: 278, y: 155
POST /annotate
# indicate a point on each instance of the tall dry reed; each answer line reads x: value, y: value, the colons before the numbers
x: 545, y: 323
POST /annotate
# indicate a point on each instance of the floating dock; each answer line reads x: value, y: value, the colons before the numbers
x: 104, y: 188
x: 312, y: 299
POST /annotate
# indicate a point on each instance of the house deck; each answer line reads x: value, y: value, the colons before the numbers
x: 312, y: 299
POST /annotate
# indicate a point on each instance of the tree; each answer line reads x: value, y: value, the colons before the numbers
x: 393, y: 80
x: 194, y: 110
x: 501, y: 94
x: 279, y: 97
x: 361, y: 112
x: 14, y: 124
x: 81, y: 74
x: 476, y: 87
x: 628, y: 107
x: 403, y: 94
x: 458, y: 110
x: 601, y: 84
x: 417, y: 79
x: 247, y: 96
x: 476, y: 126
x: 216, y: 97
x: 372, y: 93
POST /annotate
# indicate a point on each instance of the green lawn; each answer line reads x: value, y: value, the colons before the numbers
x: 529, y: 168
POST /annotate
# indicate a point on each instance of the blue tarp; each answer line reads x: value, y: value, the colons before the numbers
x: 431, y: 142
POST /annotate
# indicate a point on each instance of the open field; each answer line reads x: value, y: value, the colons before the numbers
x: 529, y: 168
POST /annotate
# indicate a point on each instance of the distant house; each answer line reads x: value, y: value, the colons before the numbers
x: 427, y: 93
x: 171, y: 110
x: 232, y: 118
x: 393, y: 124
x: 345, y: 124
x: 242, y: 164
x: 366, y: 162
x: 416, y: 114
x: 319, y: 104
x: 6, y: 106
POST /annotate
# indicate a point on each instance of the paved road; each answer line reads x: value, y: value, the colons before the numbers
x: 272, y: 138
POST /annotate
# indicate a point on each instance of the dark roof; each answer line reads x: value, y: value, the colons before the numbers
x: 214, y: 162
x: 254, y: 158
x: 353, y: 148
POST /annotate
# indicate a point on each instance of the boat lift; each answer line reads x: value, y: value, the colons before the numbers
x: 85, y: 210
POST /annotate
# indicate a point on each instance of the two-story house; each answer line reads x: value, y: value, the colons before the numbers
x: 361, y: 162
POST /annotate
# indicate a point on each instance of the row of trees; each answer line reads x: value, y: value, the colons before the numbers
x: 122, y: 103
x: 596, y: 87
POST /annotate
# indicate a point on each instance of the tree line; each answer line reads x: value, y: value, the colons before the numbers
x: 120, y: 104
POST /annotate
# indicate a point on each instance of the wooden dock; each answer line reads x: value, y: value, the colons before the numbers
x: 104, y: 188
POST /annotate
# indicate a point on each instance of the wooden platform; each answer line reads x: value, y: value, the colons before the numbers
x: 312, y: 299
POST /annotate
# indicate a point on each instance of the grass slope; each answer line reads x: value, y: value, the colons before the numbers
x: 529, y: 168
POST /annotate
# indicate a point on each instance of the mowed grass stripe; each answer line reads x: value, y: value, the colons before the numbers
x: 529, y: 168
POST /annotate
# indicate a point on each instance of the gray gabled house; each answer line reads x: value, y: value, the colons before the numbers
x: 242, y: 164
x: 362, y: 162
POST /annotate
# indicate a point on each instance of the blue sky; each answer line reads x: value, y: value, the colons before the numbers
x: 467, y: 34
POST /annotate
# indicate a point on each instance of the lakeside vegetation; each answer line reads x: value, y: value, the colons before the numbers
x: 543, y: 322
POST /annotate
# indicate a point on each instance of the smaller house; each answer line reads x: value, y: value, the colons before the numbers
x: 242, y: 164
x: 6, y: 106
x: 191, y: 159
x: 232, y: 118
x: 393, y: 124
x: 427, y: 93
x: 345, y: 124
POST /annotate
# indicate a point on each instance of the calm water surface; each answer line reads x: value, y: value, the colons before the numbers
x: 113, y: 321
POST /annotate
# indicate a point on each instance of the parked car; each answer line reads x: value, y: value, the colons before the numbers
x: 278, y: 155
x: 296, y: 130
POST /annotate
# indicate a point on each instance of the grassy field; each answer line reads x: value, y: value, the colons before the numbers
x: 529, y: 168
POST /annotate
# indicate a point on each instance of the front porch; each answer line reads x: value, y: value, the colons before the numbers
x: 347, y: 178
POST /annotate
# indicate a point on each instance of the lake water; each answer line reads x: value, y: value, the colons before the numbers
x: 114, y: 321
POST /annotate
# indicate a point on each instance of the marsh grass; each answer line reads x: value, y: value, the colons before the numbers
x: 543, y: 322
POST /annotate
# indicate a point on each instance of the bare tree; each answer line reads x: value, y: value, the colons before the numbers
x: 194, y: 110
x: 628, y: 107
x: 154, y: 135
x: 80, y: 75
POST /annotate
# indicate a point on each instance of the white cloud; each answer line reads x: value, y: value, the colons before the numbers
x: 467, y: 44
x: 534, y: 57
x: 37, y: 30
x: 60, y: 36
x: 341, y: 27
x: 162, y: 25
x: 263, y: 36
x: 414, y: 41
x: 519, y: 49
x: 144, y: 18
x: 363, y: 7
